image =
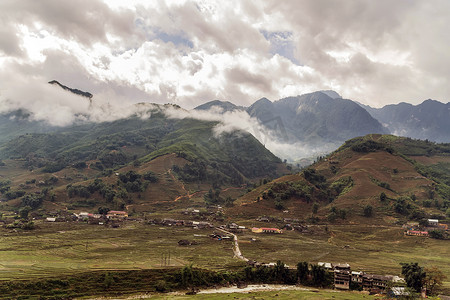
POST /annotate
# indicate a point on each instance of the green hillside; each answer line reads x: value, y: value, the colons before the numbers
x: 163, y: 159
x: 370, y: 179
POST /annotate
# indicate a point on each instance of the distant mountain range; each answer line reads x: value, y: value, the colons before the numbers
x: 324, y: 117
x: 428, y: 120
x: 318, y: 122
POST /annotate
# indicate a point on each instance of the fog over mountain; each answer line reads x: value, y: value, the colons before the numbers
x: 292, y: 128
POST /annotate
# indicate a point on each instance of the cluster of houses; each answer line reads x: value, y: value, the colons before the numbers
x: 344, y: 276
x: 414, y: 229
x: 100, y: 219
x: 289, y: 223
x: 185, y: 223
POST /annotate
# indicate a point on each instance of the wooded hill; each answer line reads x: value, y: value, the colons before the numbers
x: 113, y: 163
x: 375, y: 178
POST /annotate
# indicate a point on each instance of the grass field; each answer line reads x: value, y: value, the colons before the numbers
x: 375, y: 250
x: 66, y: 248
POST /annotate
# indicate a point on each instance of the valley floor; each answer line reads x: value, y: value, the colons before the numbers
x: 57, y: 249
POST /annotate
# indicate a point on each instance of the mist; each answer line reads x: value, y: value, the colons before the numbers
x: 60, y: 108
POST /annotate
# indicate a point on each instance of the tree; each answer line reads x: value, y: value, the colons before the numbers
x: 302, y: 271
x: 280, y: 271
x: 414, y: 275
x: 319, y: 275
x: 383, y: 196
x: 368, y: 211
x: 23, y: 212
x: 103, y: 210
x: 315, y: 207
x: 437, y: 234
x: 433, y: 279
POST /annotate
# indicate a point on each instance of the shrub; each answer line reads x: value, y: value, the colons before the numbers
x: 368, y: 211
x: 161, y: 286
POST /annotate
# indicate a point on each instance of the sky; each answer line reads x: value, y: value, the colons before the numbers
x: 190, y: 52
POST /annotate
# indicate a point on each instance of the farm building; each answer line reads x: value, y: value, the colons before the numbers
x: 266, y: 230
x: 433, y: 222
x: 417, y: 233
x: 116, y: 215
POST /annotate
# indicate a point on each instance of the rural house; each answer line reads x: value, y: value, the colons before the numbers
x: 116, y: 215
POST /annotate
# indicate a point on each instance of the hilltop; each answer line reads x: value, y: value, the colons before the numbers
x: 375, y: 178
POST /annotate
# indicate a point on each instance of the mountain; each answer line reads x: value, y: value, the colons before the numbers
x: 413, y: 175
x: 428, y: 120
x: 317, y: 118
x: 156, y: 161
x: 225, y: 106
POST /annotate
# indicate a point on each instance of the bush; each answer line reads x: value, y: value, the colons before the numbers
x: 150, y: 176
x: 368, y: 211
x: 437, y: 234
x: 161, y: 286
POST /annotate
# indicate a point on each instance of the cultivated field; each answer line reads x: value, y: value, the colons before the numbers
x: 67, y: 248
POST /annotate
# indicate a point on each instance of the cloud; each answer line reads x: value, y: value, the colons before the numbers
x: 189, y: 52
x: 86, y: 21
x: 274, y: 139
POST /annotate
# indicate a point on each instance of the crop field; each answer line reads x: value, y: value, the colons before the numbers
x: 373, y: 249
x: 66, y: 248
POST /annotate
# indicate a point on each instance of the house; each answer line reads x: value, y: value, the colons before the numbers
x: 398, y: 292
x: 342, y: 276
x: 263, y: 219
x: 83, y: 216
x: 380, y: 282
x: 357, y: 277
x: 266, y: 230
x: 433, y: 222
x: 342, y: 279
x: 271, y: 230
x: 327, y: 266
x: 416, y: 233
x: 116, y: 215
x: 50, y: 219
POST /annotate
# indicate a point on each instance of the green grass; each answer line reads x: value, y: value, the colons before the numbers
x: 71, y: 248
x: 375, y: 250
x: 65, y: 248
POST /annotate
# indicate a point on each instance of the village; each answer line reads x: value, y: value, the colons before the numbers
x: 341, y: 273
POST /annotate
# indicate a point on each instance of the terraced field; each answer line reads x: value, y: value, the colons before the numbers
x: 62, y: 248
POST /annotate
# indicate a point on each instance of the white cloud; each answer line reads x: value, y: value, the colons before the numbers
x: 189, y: 52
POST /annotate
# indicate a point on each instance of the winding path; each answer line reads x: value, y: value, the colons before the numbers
x: 236, y: 250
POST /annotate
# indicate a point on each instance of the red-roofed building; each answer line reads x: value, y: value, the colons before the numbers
x: 417, y: 233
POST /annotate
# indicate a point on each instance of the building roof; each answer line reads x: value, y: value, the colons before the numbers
x: 417, y: 231
x: 341, y: 265
x: 117, y: 212
x: 433, y: 220
x: 400, y: 291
